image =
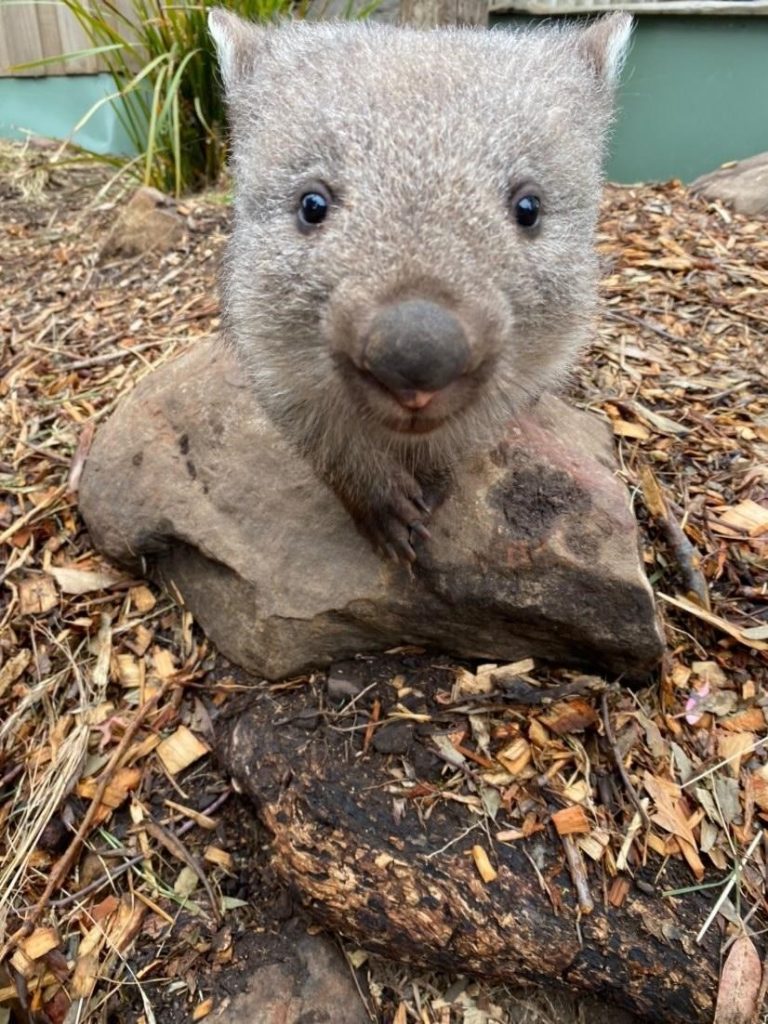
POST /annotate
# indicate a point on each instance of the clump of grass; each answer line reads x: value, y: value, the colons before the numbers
x: 167, y: 91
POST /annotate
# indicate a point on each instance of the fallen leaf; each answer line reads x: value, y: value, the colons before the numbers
x: 623, y: 428
x: 83, y: 581
x: 739, y: 987
x: 751, y: 719
x: 710, y: 672
x: 733, y: 747
x: 713, y: 620
x: 748, y: 517
x: 667, y: 815
x: 120, y: 785
x: 661, y: 424
x: 756, y: 633
x: 13, y: 668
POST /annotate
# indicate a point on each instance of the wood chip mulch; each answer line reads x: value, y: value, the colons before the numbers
x: 110, y: 812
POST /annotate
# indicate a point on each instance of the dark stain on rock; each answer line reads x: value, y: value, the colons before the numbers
x: 533, y: 497
x: 184, y: 444
x: 583, y: 546
x: 217, y: 425
x: 191, y: 469
x: 138, y: 458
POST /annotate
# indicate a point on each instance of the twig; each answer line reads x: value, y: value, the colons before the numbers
x: 726, y: 760
x: 688, y: 558
x: 65, y: 862
x: 686, y: 555
x: 110, y: 876
x: 17, y: 524
x: 735, y: 875
x: 111, y: 357
x: 764, y: 983
x: 518, y: 691
x: 177, y: 848
x: 578, y: 874
x: 456, y: 839
x: 11, y: 775
x: 630, y: 789
x: 615, y: 314
x: 372, y: 722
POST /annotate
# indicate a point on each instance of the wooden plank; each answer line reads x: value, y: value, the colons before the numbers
x: 73, y: 38
x: 50, y: 42
x: 431, y: 13
x: 20, y: 33
x: 31, y: 31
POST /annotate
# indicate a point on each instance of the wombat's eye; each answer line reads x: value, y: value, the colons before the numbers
x: 314, y: 206
x: 527, y: 209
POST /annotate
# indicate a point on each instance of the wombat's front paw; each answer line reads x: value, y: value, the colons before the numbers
x: 395, y: 518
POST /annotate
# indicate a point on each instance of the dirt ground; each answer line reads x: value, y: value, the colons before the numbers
x: 112, y: 857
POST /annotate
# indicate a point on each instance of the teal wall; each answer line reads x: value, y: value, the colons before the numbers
x: 694, y: 95
x: 52, y: 107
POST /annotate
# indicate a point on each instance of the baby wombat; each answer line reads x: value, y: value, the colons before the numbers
x: 412, y: 258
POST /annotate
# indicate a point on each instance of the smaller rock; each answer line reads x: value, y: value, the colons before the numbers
x: 346, y: 679
x: 742, y: 184
x: 149, y: 221
x: 313, y: 984
x: 393, y: 739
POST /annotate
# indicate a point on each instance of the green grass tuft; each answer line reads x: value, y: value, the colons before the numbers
x: 167, y: 91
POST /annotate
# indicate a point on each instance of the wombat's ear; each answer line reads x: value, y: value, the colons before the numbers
x: 605, y: 44
x: 237, y: 42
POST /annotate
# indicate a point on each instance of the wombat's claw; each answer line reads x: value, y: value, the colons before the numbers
x: 391, y: 553
x: 405, y: 554
x: 422, y: 506
x: 420, y: 530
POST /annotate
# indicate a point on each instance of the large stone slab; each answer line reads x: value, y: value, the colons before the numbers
x: 534, y: 552
x: 742, y: 184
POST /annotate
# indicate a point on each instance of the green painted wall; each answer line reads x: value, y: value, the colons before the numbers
x: 694, y: 95
x: 52, y: 106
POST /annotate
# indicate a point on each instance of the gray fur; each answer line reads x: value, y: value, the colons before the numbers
x: 420, y: 135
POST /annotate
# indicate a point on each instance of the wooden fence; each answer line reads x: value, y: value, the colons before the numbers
x: 31, y: 31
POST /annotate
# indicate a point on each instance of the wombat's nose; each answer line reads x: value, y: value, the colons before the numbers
x: 415, y: 348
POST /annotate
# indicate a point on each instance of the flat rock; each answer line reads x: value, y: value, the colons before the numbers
x: 743, y: 185
x: 311, y: 984
x: 533, y: 553
x: 149, y: 221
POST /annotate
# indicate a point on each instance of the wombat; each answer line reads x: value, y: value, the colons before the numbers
x: 412, y: 256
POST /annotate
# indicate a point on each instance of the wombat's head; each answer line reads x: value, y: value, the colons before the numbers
x: 413, y: 240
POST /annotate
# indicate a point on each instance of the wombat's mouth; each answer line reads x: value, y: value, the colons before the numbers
x: 409, y: 412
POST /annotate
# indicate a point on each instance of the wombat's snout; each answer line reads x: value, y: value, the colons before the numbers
x: 414, y: 349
